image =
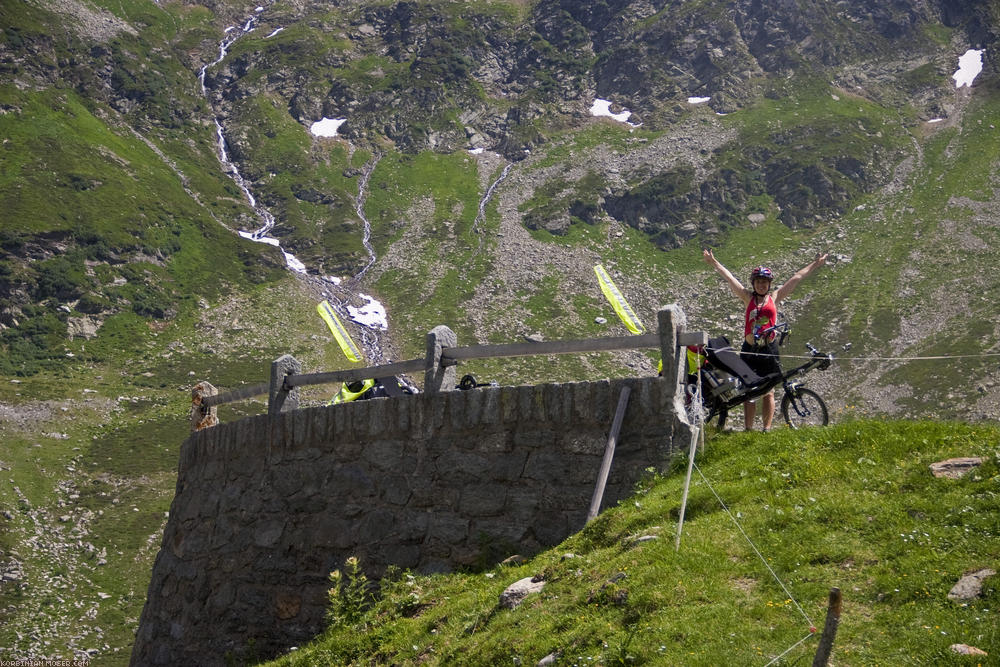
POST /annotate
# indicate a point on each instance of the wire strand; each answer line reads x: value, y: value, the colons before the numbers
x: 754, y: 547
x: 984, y: 355
x: 699, y: 420
x: 788, y: 650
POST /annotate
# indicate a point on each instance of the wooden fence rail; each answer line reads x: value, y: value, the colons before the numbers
x: 350, y: 375
x: 452, y: 356
x: 438, y: 365
x: 245, y: 392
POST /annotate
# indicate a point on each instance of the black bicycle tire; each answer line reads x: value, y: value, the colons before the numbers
x: 787, y: 411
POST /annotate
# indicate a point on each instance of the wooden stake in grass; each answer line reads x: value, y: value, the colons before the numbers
x: 829, y: 630
x: 609, y: 454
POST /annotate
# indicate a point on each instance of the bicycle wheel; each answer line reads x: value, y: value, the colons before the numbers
x: 803, y: 407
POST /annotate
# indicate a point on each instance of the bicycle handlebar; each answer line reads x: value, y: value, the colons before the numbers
x: 827, y: 359
x: 764, y: 333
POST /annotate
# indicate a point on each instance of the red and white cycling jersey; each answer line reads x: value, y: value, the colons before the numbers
x: 760, y: 317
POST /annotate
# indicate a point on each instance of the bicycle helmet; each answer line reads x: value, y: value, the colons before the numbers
x: 761, y: 272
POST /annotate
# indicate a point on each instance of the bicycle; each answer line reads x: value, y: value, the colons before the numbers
x: 723, y: 388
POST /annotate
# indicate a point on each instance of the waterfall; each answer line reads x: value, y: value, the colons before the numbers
x: 259, y: 235
x: 481, y: 213
x: 371, y: 317
x: 359, y: 205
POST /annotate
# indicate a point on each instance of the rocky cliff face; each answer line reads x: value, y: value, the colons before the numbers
x: 446, y: 77
x: 405, y: 67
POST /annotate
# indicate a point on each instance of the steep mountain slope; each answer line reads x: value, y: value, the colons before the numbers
x: 809, y: 114
x: 124, y: 280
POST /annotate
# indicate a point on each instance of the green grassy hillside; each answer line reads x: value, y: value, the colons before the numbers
x: 773, y: 522
x: 89, y: 457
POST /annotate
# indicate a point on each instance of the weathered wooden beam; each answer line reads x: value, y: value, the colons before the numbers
x: 352, y: 374
x: 248, y: 391
x: 686, y: 338
x: 609, y: 455
x: 453, y: 355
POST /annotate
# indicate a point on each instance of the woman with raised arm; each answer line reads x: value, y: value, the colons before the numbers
x: 761, y: 312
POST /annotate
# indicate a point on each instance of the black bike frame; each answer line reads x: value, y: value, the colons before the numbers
x: 819, y: 360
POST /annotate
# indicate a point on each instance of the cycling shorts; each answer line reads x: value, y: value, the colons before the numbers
x: 763, y: 359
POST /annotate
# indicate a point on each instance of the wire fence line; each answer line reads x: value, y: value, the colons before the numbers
x: 936, y: 357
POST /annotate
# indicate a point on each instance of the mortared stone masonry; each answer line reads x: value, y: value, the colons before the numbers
x: 266, y: 507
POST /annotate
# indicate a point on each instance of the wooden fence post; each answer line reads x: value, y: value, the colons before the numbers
x: 829, y: 629
x: 609, y: 455
x: 203, y: 416
x: 437, y: 377
x: 671, y: 322
x: 280, y: 398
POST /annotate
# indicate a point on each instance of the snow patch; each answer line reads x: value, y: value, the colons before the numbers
x: 291, y: 260
x: 327, y: 127
x: 371, y: 314
x: 603, y: 108
x: 293, y: 263
x: 969, y: 67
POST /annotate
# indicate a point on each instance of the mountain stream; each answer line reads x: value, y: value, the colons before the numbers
x: 371, y: 317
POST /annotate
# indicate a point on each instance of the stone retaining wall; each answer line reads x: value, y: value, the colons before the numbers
x: 267, y: 507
